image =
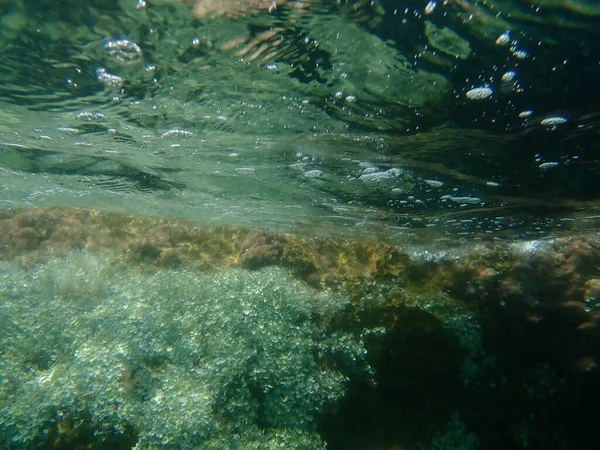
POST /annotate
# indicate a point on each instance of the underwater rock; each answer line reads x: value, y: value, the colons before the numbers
x: 204, y: 8
x: 222, y: 360
x: 262, y: 249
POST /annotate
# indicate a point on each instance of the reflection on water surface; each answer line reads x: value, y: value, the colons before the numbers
x: 402, y: 117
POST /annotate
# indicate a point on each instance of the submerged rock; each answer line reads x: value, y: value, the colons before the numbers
x: 204, y: 8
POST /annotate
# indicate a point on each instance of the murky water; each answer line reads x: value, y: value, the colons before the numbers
x: 311, y: 224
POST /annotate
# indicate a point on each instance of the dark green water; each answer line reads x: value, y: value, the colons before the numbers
x: 336, y: 117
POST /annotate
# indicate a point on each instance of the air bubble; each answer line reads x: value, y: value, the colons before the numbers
x: 376, y: 177
x: 176, y: 134
x: 244, y: 170
x: 519, y: 54
x: 553, y: 121
x: 313, y: 174
x: 503, y: 39
x: 525, y: 114
x: 91, y: 116
x: 434, y: 183
x: 548, y: 165
x: 509, y: 76
x: 108, y: 78
x: 430, y: 7
x: 124, y: 51
x: 465, y: 200
x: 479, y: 93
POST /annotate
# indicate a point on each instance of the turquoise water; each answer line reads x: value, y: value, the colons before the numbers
x: 416, y: 188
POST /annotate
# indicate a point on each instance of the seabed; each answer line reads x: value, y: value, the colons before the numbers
x: 121, y: 331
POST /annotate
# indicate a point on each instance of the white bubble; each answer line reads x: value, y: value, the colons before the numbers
x: 370, y: 169
x: 503, y: 39
x: 313, y: 173
x: 519, y: 54
x: 548, y: 165
x: 244, y: 170
x: 479, y: 93
x: 376, y: 176
x: 434, y: 183
x: 525, y: 114
x: 91, y: 116
x: 124, y: 51
x: 465, y: 200
x: 68, y: 130
x: 553, y: 121
x: 176, y: 134
x: 108, y: 78
x: 509, y: 76
x: 430, y: 7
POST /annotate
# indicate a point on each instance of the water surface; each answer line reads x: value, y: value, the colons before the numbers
x: 381, y: 118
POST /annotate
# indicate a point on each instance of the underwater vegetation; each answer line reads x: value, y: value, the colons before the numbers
x: 120, y: 331
x: 218, y: 360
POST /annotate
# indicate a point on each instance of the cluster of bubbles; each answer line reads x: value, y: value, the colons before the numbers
x: 120, y: 53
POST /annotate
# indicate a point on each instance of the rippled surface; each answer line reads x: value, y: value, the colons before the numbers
x: 408, y: 119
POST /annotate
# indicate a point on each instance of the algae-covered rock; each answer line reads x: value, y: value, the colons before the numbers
x: 230, y: 359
